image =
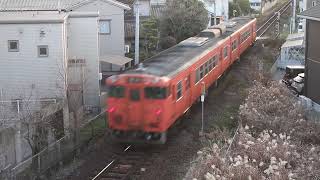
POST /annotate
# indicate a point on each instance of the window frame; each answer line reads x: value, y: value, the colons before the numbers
x: 133, y: 96
x: 188, y: 82
x: 9, y: 46
x: 179, y: 90
x: 151, y: 89
x: 109, y: 24
x: 234, y: 45
x: 122, y: 91
x: 225, y: 52
x: 206, y: 68
x: 47, y: 50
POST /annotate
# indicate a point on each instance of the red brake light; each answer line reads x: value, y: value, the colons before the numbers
x: 111, y: 110
x: 158, y: 112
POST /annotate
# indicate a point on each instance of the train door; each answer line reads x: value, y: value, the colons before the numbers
x: 135, y: 107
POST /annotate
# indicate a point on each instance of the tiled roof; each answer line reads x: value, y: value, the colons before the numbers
x: 312, y: 13
x: 22, y: 5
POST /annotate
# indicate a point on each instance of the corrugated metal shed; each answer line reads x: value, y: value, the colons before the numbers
x: 292, y: 53
x: 294, y: 43
x: 295, y: 36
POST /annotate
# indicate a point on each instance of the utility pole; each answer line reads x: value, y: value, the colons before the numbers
x: 137, y: 33
x: 202, y: 106
x: 294, y: 16
x: 215, y: 12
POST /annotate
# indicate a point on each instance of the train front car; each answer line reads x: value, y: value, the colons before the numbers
x: 136, y: 106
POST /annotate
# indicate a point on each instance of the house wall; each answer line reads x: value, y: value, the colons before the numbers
x: 144, y: 8
x: 312, y: 84
x: 256, y: 4
x: 222, y: 9
x: 83, y: 43
x: 25, y: 75
x: 109, y: 43
x: 309, y: 3
x: 158, y: 2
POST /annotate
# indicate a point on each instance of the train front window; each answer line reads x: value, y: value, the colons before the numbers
x: 135, y: 94
x: 116, y: 91
x: 155, y: 92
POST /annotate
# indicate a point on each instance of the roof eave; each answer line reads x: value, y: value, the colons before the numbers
x: 119, y: 4
x: 115, y: 3
x: 309, y: 17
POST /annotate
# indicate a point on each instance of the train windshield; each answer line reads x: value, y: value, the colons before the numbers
x: 117, y: 91
x: 156, y: 92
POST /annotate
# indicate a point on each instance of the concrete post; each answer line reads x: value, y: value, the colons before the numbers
x: 18, y: 143
x: 294, y: 16
x: 66, y: 118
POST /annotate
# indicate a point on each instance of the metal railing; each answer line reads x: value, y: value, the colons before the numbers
x: 58, y: 153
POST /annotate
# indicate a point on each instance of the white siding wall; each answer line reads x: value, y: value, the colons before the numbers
x: 144, y: 8
x: 158, y: 2
x: 254, y: 4
x: 83, y: 44
x: 222, y: 9
x: 112, y: 43
x: 20, y: 71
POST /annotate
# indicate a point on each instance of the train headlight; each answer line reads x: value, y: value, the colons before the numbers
x: 111, y: 110
x: 158, y: 112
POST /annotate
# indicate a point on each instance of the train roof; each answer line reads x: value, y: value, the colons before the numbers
x: 171, y: 61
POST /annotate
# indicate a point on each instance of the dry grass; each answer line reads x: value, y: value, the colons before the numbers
x: 277, y: 141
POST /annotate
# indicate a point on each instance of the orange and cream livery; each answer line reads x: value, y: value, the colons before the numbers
x: 146, y: 101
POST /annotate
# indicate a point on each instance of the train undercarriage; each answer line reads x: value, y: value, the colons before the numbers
x: 139, y: 137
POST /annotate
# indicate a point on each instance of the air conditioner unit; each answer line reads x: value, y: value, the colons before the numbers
x: 127, y: 48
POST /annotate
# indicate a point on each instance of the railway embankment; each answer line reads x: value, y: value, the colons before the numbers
x: 274, y: 140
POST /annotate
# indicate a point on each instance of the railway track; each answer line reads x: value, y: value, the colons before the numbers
x: 131, y: 162
x: 272, y: 20
x: 128, y: 164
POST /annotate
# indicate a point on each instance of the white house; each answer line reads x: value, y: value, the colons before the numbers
x: 148, y: 7
x: 42, y: 58
x: 220, y: 8
x: 256, y: 4
x: 304, y: 5
x: 51, y: 49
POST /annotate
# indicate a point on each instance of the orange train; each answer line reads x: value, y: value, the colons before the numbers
x: 146, y: 101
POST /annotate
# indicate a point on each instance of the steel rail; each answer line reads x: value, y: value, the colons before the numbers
x: 107, y: 166
x: 273, y: 19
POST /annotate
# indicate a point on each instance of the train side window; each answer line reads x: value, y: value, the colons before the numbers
x: 179, y: 90
x: 198, y: 75
x: 206, y: 65
x: 213, y: 64
x: 155, y: 93
x: 117, y: 91
x: 188, y: 82
x: 225, y: 52
x: 201, y: 72
x: 135, y: 94
x: 234, y: 45
x: 210, y: 64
